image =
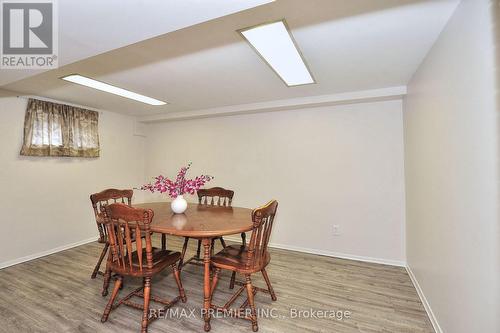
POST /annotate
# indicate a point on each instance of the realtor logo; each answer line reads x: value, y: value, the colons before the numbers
x: 29, y: 34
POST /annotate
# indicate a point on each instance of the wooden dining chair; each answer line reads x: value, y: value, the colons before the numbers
x: 247, y: 261
x: 100, y: 200
x: 215, y: 196
x: 142, y: 260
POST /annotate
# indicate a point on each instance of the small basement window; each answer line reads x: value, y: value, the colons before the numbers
x: 52, y: 129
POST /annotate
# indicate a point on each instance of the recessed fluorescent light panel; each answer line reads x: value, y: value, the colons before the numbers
x: 275, y: 44
x: 91, y: 83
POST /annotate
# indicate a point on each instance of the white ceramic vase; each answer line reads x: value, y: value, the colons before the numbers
x: 179, y: 205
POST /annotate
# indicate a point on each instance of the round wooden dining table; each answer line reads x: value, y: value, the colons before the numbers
x: 202, y: 222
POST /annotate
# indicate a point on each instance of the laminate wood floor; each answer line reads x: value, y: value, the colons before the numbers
x: 55, y: 294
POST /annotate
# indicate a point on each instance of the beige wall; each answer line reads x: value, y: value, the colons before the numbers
x: 332, y: 165
x: 338, y: 165
x: 451, y: 147
x: 45, y: 201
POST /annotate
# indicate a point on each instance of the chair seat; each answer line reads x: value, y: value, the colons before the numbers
x: 234, y: 257
x: 161, y: 259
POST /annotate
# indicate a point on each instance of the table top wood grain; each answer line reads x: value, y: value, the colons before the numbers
x: 199, y: 221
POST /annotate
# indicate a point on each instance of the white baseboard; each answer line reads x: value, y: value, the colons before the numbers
x: 234, y: 239
x: 46, y: 253
x: 423, y: 299
x: 329, y: 253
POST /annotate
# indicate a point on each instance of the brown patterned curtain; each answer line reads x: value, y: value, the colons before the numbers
x: 52, y: 129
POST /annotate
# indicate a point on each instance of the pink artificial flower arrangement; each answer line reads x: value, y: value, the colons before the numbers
x: 180, y: 186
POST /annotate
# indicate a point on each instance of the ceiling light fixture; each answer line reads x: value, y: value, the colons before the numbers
x: 91, y: 83
x: 275, y: 44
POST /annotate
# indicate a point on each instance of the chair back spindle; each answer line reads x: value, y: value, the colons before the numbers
x: 263, y: 219
x: 123, y: 222
x: 215, y: 196
x: 104, y: 198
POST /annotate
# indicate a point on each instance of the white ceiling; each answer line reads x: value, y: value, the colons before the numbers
x: 91, y: 27
x: 349, y: 46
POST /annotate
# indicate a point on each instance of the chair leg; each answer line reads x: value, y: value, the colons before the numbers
x: 251, y: 302
x: 198, y: 250
x: 212, y: 248
x: 183, y: 254
x: 177, y: 277
x: 207, y: 300
x: 109, y: 306
x: 101, y: 257
x: 243, y: 239
x: 269, y: 286
x: 215, y: 279
x: 222, y: 242
x: 107, y: 278
x: 145, y: 313
x: 233, y: 279
x: 163, y: 241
